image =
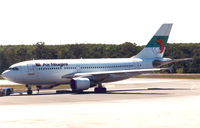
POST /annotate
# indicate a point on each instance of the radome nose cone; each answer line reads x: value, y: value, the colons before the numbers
x: 5, y: 74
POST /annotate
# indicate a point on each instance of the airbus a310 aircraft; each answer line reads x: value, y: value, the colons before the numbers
x: 82, y: 74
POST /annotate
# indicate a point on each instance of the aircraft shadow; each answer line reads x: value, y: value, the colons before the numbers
x: 122, y: 91
x: 169, y: 89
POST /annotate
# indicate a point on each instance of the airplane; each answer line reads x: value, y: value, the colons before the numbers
x: 83, y: 74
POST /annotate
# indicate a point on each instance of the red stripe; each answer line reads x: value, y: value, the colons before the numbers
x: 162, y: 46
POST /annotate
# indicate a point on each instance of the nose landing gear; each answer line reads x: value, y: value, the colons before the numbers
x: 38, y: 88
x: 29, y: 91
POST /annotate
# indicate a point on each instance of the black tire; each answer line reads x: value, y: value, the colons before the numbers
x: 8, y: 92
x: 29, y: 92
x: 100, y: 90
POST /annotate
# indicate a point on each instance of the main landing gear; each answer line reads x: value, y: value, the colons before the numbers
x: 100, y: 89
x: 29, y: 91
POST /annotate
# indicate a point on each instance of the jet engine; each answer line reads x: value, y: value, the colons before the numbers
x: 81, y: 83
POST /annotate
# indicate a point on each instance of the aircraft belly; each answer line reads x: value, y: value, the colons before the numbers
x: 52, y: 78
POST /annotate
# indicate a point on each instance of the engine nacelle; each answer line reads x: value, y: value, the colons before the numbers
x: 81, y: 83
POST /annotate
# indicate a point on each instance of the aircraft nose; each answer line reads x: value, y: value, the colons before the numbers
x: 6, y: 74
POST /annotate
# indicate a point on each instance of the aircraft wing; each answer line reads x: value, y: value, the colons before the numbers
x: 111, y: 72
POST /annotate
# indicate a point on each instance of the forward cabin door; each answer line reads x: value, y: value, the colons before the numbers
x: 31, y: 69
x: 32, y: 76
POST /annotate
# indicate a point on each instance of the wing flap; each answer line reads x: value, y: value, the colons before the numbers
x: 159, y: 63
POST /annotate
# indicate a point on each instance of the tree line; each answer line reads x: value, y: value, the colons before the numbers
x: 10, y: 54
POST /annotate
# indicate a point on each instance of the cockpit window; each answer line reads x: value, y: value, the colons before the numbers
x: 14, y: 68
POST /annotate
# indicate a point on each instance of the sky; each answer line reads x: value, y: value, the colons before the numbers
x: 97, y: 21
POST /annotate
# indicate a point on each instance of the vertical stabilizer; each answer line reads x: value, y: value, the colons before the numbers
x: 157, y: 45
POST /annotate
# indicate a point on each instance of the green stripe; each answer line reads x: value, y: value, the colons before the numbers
x: 153, y: 43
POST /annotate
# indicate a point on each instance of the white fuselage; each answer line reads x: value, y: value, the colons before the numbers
x: 85, y: 73
x: 46, y: 72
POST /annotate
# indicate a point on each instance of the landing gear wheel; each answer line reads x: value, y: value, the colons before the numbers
x: 100, y: 90
x: 29, y: 92
x: 8, y: 92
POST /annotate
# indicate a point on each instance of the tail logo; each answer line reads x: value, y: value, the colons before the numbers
x: 37, y: 64
x: 162, y: 46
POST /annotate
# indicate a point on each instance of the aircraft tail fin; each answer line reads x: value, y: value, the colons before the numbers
x: 157, y: 45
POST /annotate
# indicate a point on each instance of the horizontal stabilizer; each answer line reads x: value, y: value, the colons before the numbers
x: 159, y: 63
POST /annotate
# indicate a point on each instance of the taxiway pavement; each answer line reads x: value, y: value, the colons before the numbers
x: 135, y: 102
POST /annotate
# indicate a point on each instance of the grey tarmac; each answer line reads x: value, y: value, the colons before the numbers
x: 135, y: 102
